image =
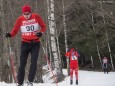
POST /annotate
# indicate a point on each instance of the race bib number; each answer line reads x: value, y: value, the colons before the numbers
x: 74, y: 57
x: 30, y: 28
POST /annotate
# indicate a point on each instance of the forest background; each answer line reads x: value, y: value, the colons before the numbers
x: 86, y: 25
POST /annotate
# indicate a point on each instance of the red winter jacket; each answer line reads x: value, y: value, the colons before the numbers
x: 73, y: 55
x: 29, y: 27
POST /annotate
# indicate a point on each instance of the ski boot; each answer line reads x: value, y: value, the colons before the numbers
x: 71, y: 82
x: 29, y: 83
x: 76, y: 82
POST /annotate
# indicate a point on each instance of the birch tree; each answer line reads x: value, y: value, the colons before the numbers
x: 48, y: 31
x: 65, y: 34
x: 54, y: 46
x: 64, y: 23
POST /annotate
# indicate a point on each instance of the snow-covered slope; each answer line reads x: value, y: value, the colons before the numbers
x: 86, y: 78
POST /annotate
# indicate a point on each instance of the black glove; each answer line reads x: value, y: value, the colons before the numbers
x: 8, y: 35
x: 39, y: 34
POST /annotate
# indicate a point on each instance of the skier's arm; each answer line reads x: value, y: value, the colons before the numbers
x: 67, y: 55
x: 76, y: 54
x: 41, y: 23
x: 15, y: 28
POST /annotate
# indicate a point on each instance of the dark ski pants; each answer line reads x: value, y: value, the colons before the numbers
x: 33, y: 49
x: 105, y: 68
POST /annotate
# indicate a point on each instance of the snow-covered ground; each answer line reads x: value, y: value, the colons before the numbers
x: 86, y: 78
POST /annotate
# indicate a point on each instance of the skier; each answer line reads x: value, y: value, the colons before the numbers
x: 105, y: 65
x: 32, y: 28
x: 73, y: 56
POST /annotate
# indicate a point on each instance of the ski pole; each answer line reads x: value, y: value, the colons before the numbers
x: 68, y: 70
x: 12, y: 63
x: 49, y: 65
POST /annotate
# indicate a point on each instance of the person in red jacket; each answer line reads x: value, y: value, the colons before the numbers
x: 73, y: 56
x: 32, y: 28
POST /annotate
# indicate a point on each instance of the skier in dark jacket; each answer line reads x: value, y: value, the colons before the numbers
x: 32, y: 28
x: 105, y: 65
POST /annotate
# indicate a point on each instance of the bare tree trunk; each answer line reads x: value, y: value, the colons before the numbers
x: 48, y: 32
x: 92, y: 65
x: 6, y: 73
x: 96, y: 39
x: 58, y: 50
x: 64, y: 23
x: 54, y: 46
x: 107, y: 36
x: 65, y: 34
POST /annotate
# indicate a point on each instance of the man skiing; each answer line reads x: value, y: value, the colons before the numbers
x: 73, y: 56
x: 105, y: 65
x: 32, y: 28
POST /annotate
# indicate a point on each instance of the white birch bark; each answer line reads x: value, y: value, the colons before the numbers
x: 58, y: 50
x: 53, y: 41
x: 54, y: 45
x: 92, y: 62
x: 64, y: 23
x: 48, y: 37
x: 65, y: 34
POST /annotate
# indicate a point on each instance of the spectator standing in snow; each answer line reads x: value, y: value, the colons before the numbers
x: 32, y: 28
x: 73, y: 56
x: 105, y: 65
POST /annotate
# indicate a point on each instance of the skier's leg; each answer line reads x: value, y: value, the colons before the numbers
x: 71, y: 76
x: 107, y: 68
x: 76, y: 75
x: 104, y: 68
x: 23, y: 61
x: 34, y: 56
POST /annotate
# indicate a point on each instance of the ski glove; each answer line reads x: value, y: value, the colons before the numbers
x: 39, y: 34
x: 8, y: 35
